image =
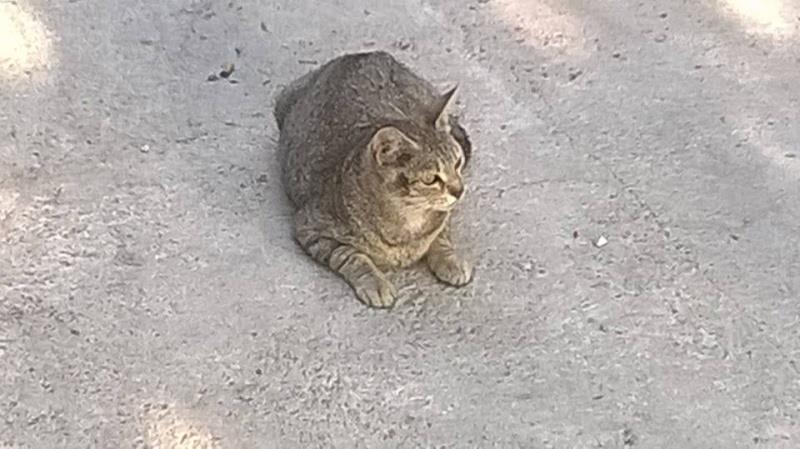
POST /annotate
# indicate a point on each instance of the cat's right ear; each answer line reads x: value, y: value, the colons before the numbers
x: 439, y: 111
x: 389, y: 146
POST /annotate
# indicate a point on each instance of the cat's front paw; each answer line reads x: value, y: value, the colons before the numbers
x: 451, y: 270
x: 375, y: 291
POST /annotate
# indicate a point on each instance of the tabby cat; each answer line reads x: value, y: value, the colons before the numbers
x: 372, y: 160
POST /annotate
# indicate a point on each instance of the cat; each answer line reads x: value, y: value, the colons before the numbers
x: 372, y: 160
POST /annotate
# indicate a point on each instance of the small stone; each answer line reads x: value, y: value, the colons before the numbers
x: 145, y: 148
x: 601, y: 241
x: 227, y: 70
x: 403, y: 44
x: 628, y: 437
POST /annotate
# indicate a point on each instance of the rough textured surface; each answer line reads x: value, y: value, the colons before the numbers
x: 151, y: 296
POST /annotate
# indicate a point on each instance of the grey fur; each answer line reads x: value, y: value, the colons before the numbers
x: 372, y: 160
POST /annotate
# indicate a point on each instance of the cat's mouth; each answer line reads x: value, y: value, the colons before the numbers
x: 442, y: 203
x: 445, y: 204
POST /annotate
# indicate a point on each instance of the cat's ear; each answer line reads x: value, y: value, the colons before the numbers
x: 389, y: 146
x: 440, y: 110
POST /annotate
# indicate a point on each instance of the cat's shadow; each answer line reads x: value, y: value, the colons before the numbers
x: 276, y: 210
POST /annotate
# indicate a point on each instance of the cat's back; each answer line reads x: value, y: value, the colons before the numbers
x: 328, y: 113
x: 374, y: 85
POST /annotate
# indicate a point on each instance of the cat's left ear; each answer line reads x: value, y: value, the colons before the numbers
x: 440, y: 110
x: 390, y: 146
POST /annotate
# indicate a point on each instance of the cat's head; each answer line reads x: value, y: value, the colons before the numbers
x: 421, y: 165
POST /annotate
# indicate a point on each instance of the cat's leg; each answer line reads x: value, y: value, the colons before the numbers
x: 445, y: 263
x: 358, y: 270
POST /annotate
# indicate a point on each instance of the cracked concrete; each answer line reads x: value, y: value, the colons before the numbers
x: 151, y: 295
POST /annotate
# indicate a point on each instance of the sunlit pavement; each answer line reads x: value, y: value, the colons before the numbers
x: 633, y: 215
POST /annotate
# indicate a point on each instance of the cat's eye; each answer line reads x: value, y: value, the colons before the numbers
x: 430, y: 180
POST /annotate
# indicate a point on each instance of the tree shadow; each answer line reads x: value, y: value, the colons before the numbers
x: 154, y: 203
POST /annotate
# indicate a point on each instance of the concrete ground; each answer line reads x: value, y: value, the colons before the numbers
x: 151, y: 295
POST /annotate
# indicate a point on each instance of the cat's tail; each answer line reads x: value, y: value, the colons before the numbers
x: 289, y: 95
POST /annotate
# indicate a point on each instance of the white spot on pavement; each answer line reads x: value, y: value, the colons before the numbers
x: 769, y: 17
x: 542, y: 25
x: 25, y: 44
x: 167, y: 428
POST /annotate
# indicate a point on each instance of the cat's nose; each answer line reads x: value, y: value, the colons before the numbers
x: 456, y: 190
